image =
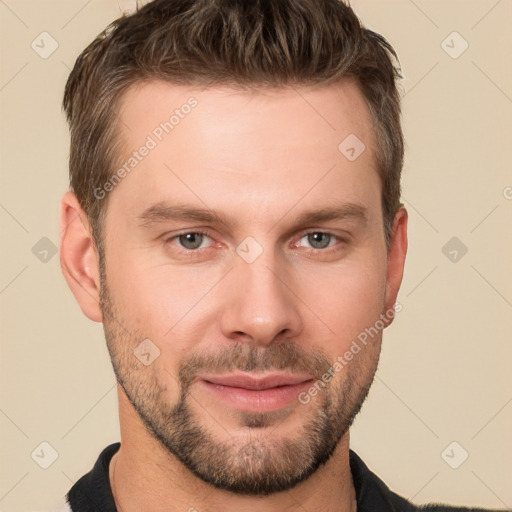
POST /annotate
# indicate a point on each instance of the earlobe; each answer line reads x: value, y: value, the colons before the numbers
x: 79, y: 258
x: 396, y: 258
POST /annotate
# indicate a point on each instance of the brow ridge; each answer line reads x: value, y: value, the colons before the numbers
x: 162, y: 212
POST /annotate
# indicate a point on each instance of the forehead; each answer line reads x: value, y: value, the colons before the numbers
x: 223, y: 147
x: 327, y: 112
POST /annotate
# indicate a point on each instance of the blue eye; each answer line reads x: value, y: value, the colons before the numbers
x: 194, y: 243
x: 192, y: 240
x: 189, y: 244
x: 319, y: 239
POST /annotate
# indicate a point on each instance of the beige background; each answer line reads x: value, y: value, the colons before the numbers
x: 445, y: 369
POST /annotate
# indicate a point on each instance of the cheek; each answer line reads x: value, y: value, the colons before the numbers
x: 165, y: 303
x: 158, y: 301
x: 347, y: 299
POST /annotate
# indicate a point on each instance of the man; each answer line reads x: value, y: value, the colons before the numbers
x: 234, y: 220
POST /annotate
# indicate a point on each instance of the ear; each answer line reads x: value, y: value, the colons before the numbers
x: 396, y: 258
x: 79, y: 258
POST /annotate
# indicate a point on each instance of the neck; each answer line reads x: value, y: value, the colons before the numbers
x: 145, y: 476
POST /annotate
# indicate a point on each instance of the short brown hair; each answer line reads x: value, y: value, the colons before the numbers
x: 237, y: 43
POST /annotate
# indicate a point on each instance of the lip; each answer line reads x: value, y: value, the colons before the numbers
x: 259, y: 383
x: 256, y: 393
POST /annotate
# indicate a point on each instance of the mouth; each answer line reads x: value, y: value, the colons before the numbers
x: 251, y: 393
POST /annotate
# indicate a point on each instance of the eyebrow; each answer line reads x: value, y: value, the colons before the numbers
x: 163, y: 212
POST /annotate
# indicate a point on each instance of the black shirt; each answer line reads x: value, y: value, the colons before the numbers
x: 92, y: 492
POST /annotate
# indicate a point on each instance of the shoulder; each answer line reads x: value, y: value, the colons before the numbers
x: 436, y: 507
x: 374, y: 495
x: 401, y: 504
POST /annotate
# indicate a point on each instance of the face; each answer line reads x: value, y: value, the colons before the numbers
x: 243, y: 244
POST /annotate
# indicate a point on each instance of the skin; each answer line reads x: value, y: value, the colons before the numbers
x: 261, y: 159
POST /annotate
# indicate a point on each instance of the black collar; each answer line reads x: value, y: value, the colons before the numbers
x: 92, y: 492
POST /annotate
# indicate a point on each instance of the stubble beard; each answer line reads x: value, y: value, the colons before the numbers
x: 263, y: 462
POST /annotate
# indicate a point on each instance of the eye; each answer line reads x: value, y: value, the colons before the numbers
x: 320, y: 239
x: 191, y: 241
x: 195, y: 243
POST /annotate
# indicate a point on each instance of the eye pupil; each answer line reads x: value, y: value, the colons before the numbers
x: 191, y: 240
x: 314, y: 238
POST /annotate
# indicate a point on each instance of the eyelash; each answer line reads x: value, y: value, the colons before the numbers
x: 198, y: 252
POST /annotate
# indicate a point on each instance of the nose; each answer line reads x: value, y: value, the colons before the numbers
x: 260, y: 304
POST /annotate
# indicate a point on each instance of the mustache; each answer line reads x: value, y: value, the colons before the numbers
x: 283, y: 355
